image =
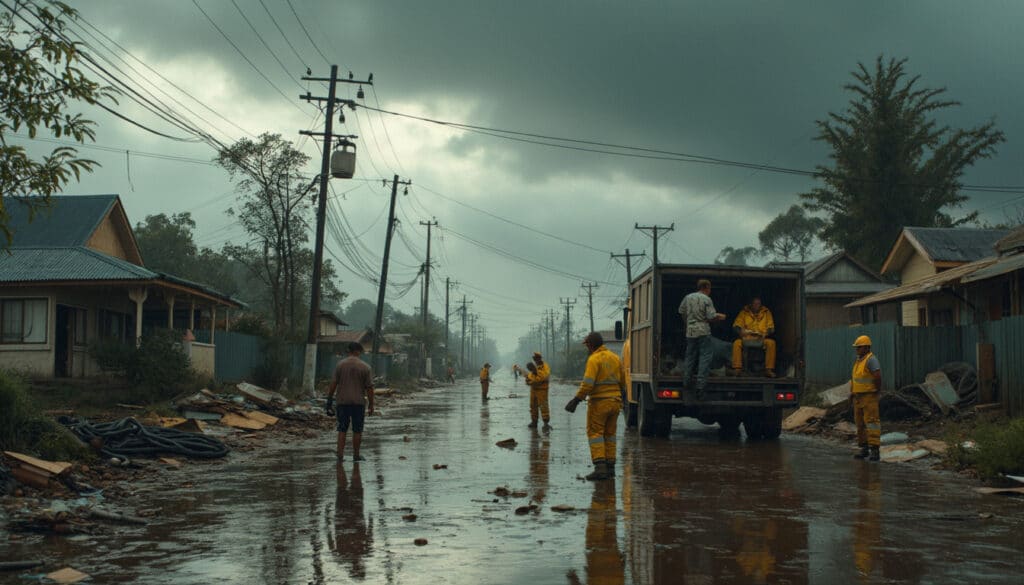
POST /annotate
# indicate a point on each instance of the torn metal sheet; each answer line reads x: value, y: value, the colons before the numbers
x: 940, y: 391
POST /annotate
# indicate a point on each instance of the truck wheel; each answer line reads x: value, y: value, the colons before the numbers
x: 631, y: 414
x: 662, y: 424
x: 753, y: 426
x: 729, y: 427
x: 645, y: 414
x: 771, y: 424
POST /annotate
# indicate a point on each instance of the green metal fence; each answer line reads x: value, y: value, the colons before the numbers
x: 908, y: 354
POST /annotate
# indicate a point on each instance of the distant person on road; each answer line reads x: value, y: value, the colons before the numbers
x: 602, y: 384
x: 352, y: 389
x: 451, y: 375
x: 866, y: 386
x: 698, y: 312
x: 539, y: 380
x: 754, y: 324
x: 485, y: 380
x: 516, y: 370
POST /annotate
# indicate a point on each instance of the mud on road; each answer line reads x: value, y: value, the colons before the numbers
x: 692, y: 509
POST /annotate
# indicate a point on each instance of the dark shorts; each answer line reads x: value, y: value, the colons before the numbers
x: 353, y: 414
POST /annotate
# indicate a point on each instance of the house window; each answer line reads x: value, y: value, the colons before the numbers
x: 112, y: 325
x: 23, y: 320
x: 869, y: 314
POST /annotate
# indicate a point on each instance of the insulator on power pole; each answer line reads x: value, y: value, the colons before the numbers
x: 343, y: 161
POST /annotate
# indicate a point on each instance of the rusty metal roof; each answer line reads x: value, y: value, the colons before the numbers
x: 924, y: 286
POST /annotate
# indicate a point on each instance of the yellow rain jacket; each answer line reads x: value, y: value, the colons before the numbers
x: 485, y: 375
x: 863, y: 381
x: 760, y: 321
x: 542, y: 379
x: 603, y: 377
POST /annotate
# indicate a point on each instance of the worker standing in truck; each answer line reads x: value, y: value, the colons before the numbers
x: 866, y: 387
x: 602, y: 385
x: 754, y: 324
x: 485, y: 380
x: 698, y: 312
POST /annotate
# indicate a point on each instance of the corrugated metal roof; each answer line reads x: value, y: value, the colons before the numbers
x: 924, y: 286
x: 1000, y: 267
x: 842, y: 288
x: 68, y: 221
x: 957, y: 244
x: 51, y: 264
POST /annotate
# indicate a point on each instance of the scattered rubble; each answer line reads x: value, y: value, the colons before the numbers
x: 420, y: 542
x: 439, y: 466
x: 409, y: 517
x: 804, y: 416
x: 562, y: 508
x: 507, y: 444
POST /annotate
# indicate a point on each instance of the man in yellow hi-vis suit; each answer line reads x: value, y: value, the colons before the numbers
x: 866, y: 385
x: 539, y: 379
x: 602, y: 385
x: 754, y: 323
x: 485, y: 380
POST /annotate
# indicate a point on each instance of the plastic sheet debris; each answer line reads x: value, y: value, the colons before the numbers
x: 1016, y: 478
x: 835, y: 395
x: 894, y: 438
x: 902, y: 453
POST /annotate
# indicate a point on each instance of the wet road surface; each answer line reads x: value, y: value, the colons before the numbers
x: 694, y: 509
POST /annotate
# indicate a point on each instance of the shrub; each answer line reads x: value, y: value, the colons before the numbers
x: 999, y: 449
x: 277, y: 363
x: 158, y: 369
x: 23, y: 428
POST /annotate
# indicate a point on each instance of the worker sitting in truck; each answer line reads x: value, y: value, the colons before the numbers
x: 754, y: 326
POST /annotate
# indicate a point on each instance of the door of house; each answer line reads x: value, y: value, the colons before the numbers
x: 64, y: 339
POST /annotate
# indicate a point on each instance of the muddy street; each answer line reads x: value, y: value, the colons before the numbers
x: 693, y: 509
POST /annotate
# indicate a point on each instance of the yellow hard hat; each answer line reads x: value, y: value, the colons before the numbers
x: 862, y: 341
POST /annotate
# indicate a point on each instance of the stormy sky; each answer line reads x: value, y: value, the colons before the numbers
x: 734, y: 80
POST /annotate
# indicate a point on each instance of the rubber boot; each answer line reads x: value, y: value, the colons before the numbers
x: 610, y: 469
x: 769, y: 373
x: 600, y: 472
x: 532, y: 425
x: 547, y: 426
x: 863, y: 453
x: 875, y: 455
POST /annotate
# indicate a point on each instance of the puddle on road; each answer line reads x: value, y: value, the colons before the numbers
x: 692, y: 509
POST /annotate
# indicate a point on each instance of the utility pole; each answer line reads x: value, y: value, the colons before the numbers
x: 378, y: 319
x: 447, y: 312
x: 590, y: 300
x: 426, y: 302
x: 629, y: 266
x: 472, y: 338
x: 568, y: 323
x: 551, y: 337
x: 313, y: 331
x: 656, y: 232
x: 462, y: 350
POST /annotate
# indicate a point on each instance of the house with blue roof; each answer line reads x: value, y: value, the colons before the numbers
x: 74, y: 274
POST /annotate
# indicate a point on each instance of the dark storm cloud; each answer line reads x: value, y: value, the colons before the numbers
x: 741, y: 80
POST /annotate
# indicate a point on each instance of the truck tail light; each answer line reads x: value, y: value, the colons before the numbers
x: 785, y: 396
x: 668, y: 394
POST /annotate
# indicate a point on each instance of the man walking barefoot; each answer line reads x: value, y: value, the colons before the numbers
x: 352, y: 389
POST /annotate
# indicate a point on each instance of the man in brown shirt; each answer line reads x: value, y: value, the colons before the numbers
x: 352, y: 389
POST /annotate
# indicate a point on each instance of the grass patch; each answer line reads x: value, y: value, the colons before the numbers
x: 998, y: 450
x: 23, y: 427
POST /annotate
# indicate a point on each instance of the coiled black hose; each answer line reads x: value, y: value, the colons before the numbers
x: 127, y: 437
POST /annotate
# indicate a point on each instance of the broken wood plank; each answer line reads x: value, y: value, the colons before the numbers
x: 803, y: 416
x: 52, y: 467
x: 240, y: 422
x: 262, y: 417
x: 260, y: 395
x: 1002, y: 491
x: 67, y: 576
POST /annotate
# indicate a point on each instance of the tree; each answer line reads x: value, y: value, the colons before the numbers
x: 167, y: 244
x: 39, y: 80
x: 274, y: 206
x: 730, y: 256
x: 791, y: 233
x: 892, y: 164
x: 361, y: 313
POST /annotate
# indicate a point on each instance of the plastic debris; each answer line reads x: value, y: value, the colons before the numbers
x: 894, y: 438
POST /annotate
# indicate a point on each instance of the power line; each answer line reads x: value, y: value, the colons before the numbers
x: 306, y: 32
x: 246, y: 58
x: 263, y: 41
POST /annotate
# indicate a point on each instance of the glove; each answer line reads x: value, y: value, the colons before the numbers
x: 330, y: 406
x: 572, y: 404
